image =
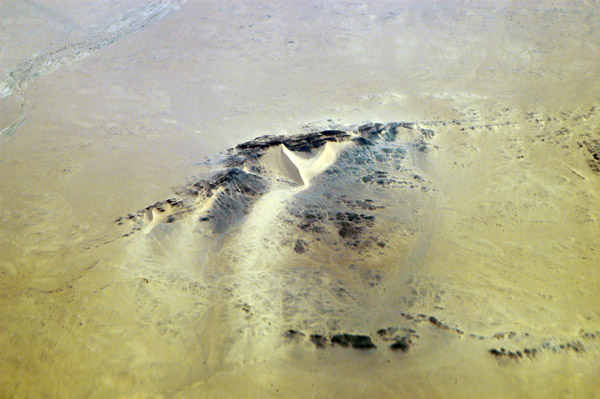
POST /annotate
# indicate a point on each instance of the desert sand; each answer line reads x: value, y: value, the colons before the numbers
x: 320, y: 199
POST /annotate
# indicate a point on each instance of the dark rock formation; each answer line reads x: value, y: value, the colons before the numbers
x: 355, y: 341
x: 293, y: 334
x: 593, y: 148
x: 375, y: 158
x: 319, y: 340
x: 252, y: 150
x: 401, y: 344
x: 301, y: 246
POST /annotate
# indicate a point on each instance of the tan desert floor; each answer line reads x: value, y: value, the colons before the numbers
x: 493, y: 268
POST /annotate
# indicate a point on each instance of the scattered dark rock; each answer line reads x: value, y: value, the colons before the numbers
x: 427, y: 133
x: 348, y: 230
x: 360, y: 342
x: 293, y: 334
x: 310, y: 221
x: 367, y: 204
x: 302, y: 142
x: 371, y: 130
x: 383, y: 332
x: 387, y: 332
x: 319, y: 340
x: 530, y: 352
x: 422, y: 147
x: 401, y: 344
x: 351, y: 225
x: 503, y: 335
x: 589, y: 335
x: 575, y: 346
x: 502, y: 352
x: 362, y: 141
x: 383, y: 179
x: 495, y: 352
x: 356, y: 341
x: 593, y: 147
x: 233, y: 180
x: 436, y: 322
x: 301, y: 246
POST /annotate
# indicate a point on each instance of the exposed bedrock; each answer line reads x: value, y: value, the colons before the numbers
x: 372, y: 154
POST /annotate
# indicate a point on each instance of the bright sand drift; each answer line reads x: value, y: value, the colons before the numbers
x: 449, y: 252
x: 297, y: 168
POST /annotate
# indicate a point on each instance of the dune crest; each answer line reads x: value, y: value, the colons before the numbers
x: 299, y: 168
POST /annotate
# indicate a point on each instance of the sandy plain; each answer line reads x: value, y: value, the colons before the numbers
x: 471, y: 236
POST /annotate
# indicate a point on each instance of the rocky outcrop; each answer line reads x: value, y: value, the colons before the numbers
x: 225, y: 198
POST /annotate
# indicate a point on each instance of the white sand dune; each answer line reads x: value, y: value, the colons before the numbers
x: 297, y: 167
